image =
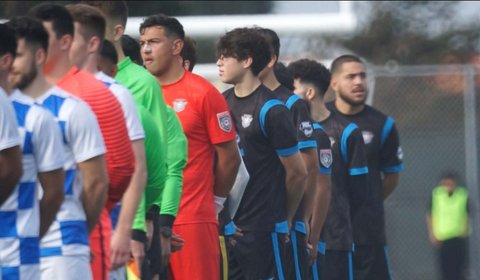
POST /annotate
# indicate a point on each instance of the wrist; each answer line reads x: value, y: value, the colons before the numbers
x: 165, y: 231
x: 139, y: 235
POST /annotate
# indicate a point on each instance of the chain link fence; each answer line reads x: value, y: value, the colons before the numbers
x: 435, y: 109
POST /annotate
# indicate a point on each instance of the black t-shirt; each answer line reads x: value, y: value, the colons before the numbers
x: 384, y: 154
x: 266, y: 132
x: 349, y: 160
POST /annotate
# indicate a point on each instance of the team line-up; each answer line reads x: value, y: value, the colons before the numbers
x: 118, y: 162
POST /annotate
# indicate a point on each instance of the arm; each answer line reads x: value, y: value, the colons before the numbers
x: 435, y: 242
x: 390, y: 182
x: 226, y: 168
x: 10, y: 171
x: 311, y: 161
x: 52, y: 184
x: 95, y: 186
x: 320, y: 210
x: 120, y: 245
x: 295, y: 182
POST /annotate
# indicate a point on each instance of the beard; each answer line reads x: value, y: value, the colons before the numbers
x: 353, y: 101
x: 26, y: 79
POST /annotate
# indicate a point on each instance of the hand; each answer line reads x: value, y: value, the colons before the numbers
x: 138, y: 252
x: 119, y: 249
x: 435, y: 242
x: 149, y: 226
x: 176, y: 242
x: 233, y: 239
x: 165, y: 246
x: 312, y: 253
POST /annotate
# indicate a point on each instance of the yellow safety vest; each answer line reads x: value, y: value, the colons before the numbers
x: 449, y: 213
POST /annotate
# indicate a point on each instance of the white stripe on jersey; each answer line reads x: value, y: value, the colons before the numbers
x: 8, y: 123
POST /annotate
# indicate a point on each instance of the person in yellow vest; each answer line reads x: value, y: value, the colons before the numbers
x: 448, y: 226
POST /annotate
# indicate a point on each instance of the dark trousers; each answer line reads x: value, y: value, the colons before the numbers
x: 370, y: 262
x: 453, y: 258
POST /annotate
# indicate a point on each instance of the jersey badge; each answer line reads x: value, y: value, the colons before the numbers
x: 326, y: 157
x: 246, y: 120
x: 306, y: 128
x: 179, y: 105
x: 225, y: 121
x: 367, y: 136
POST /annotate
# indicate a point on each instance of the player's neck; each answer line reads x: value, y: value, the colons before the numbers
x: 270, y: 81
x: 56, y: 72
x: 318, y: 110
x: 90, y: 65
x: 172, y: 75
x: 37, y: 87
x: 348, y: 109
x: 247, y: 86
x: 118, y: 48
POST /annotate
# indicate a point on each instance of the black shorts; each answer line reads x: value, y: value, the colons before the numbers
x: 258, y: 255
x: 335, y: 265
x: 371, y: 262
x: 296, y: 263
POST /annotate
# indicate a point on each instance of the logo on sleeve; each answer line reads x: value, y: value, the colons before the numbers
x: 367, y: 136
x: 179, y: 105
x: 400, y: 153
x: 306, y: 128
x: 332, y: 141
x: 246, y: 120
x: 326, y: 157
x: 225, y: 121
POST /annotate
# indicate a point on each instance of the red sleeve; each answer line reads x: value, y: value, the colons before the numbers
x: 217, y: 118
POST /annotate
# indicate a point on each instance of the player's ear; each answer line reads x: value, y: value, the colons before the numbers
x: 247, y: 62
x: 40, y: 56
x: 310, y: 94
x: 177, y: 47
x: 334, y: 83
x: 118, y: 31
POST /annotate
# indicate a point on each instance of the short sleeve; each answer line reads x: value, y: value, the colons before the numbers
x: 353, y: 150
x: 303, y: 124
x: 279, y: 129
x: 9, y: 136
x: 84, y: 134
x: 391, y: 151
x: 134, y: 126
x: 217, y: 118
x: 47, y: 141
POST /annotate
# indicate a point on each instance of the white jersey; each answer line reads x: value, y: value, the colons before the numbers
x: 8, y: 123
x: 20, y: 214
x: 82, y: 140
x: 125, y: 97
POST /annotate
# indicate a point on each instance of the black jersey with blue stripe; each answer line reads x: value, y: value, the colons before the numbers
x: 266, y: 133
x: 324, y: 149
x: 349, y: 160
x: 301, y: 117
x: 384, y: 155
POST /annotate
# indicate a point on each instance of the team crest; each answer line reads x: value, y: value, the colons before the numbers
x: 225, y: 121
x: 246, y: 120
x: 332, y: 141
x: 306, y: 128
x: 326, y: 157
x: 179, y: 105
x: 367, y: 136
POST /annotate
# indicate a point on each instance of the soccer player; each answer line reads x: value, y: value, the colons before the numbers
x: 64, y: 250
x: 384, y: 155
x: 119, y: 157
x: 206, y: 121
x: 270, y: 151
x: 88, y: 38
x: 10, y: 154
x: 107, y: 61
x: 25, y: 217
x: 297, y: 262
x: 131, y: 49
x: 349, y: 171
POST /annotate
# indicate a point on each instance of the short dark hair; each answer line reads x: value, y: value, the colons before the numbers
x: 173, y: 28
x: 31, y: 30
x: 449, y: 174
x: 116, y: 11
x: 8, y: 42
x: 311, y: 71
x: 272, y: 39
x: 131, y: 48
x: 62, y: 21
x: 109, y: 52
x: 242, y: 43
x: 283, y: 76
x: 339, y: 61
x: 189, y: 51
x: 90, y: 18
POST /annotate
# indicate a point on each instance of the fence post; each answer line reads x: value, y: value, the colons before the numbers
x: 471, y: 167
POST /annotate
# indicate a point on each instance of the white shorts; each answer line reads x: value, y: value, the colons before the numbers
x: 65, y: 268
x: 118, y: 274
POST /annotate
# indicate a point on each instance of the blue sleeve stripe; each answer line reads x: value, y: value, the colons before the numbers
x: 242, y: 152
x: 307, y: 144
x: 229, y: 229
x: 287, y: 152
x: 317, y: 126
x: 325, y: 171
x: 387, y: 128
x: 291, y: 100
x: 346, y: 133
x: 263, y: 112
x: 393, y: 169
x: 358, y: 171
